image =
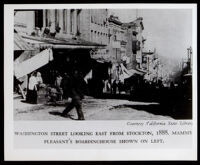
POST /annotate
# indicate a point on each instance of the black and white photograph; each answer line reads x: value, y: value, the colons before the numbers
x: 102, y: 81
x: 102, y: 64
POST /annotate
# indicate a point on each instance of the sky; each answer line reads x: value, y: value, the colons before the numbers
x: 167, y: 30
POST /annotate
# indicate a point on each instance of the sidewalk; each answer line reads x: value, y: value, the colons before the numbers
x: 21, y: 105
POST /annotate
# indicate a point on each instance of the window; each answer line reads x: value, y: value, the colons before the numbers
x: 56, y: 18
x: 95, y: 36
x: 39, y: 19
x: 134, y: 47
x: 64, y: 20
x: 98, y: 37
x: 71, y: 20
x: 91, y: 35
x: 78, y: 20
x: 47, y: 18
x: 118, y: 55
x: 92, y: 19
x: 115, y: 37
x: 138, y: 45
x: 92, y: 13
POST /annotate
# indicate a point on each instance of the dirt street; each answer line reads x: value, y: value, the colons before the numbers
x: 94, y: 109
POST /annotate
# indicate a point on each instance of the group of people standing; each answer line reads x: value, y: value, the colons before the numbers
x: 35, y: 81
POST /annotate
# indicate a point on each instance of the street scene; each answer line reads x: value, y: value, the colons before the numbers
x: 102, y: 64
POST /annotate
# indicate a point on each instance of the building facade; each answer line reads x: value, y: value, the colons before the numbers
x: 69, y: 29
x: 124, y: 40
x: 117, y: 40
x: 96, y: 28
x: 135, y: 42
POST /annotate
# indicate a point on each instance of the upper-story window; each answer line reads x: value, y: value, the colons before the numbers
x: 115, y: 37
x: 78, y: 20
x: 64, y: 20
x: 39, y: 19
x: 95, y: 36
x: 92, y: 15
x: 92, y: 36
x: 56, y: 18
x: 98, y: 36
x: 92, y: 19
x: 47, y: 18
x: 71, y: 20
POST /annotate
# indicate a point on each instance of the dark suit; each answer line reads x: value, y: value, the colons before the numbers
x: 76, y: 93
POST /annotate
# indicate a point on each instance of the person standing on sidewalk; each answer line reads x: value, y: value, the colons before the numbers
x: 76, y: 93
x: 32, y: 89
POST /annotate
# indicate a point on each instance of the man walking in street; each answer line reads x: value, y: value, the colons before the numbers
x: 76, y: 93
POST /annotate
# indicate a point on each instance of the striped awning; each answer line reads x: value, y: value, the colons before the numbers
x: 31, y: 64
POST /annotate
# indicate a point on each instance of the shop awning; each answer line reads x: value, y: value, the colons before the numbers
x: 133, y: 71
x: 101, y: 58
x: 62, y: 43
x: 141, y: 71
x: 33, y: 63
x: 20, y: 44
x: 126, y: 73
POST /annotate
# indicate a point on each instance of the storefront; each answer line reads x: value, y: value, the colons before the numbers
x: 57, y: 56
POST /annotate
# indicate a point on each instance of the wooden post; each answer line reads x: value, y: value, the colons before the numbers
x: 24, y: 97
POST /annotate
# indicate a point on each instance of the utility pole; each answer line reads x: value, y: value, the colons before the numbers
x: 189, y: 54
x: 157, y: 70
x: 148, y: 65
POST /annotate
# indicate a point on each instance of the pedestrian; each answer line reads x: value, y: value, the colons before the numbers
x: 53, y: 94
x: 114, y: 87
x: 172, y: 85
x: 32, y: 89
x: 39, y: 78
x: 58, y: 86
x: 120, y: 86
x: 65, y: 85
x: 76, y: 93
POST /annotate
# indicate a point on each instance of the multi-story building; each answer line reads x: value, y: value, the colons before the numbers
x: 72, y: 33
x: 135, y: 42
x: 88, y: 24
x: 147, y: 60
x: 117, y: 40
x: 75, y: 35
x: 65, y: 22
x: 95, y: 29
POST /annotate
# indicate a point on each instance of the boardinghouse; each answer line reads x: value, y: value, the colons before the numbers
x: 61, y: 41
